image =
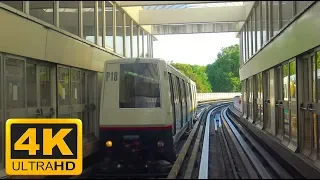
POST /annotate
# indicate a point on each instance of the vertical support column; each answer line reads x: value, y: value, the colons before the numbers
x: 56, y: 13
x: 267, y: 20
x: 255, y: 28
x: 271, y: 19
x: 261, y: 27
x: 96, y: 22
x: 124, y: 34
x: 142, y: 43
x: 80, y: 19
x: 241, y: 48
x: 131, y: 37
x: 114, y: 24
x: 251, y: 32
x: 138, y: 40
x: 103, y: 11
x: 26, y: 5
x: 280, y: 14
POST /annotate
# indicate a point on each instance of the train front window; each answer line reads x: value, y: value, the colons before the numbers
x: 139, y: 86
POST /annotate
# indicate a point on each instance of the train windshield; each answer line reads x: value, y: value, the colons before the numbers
x: 139, y: 86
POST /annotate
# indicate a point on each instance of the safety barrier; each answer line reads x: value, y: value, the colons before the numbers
x: 216, y: 96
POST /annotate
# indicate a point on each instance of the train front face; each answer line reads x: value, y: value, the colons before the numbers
x: 133, y: 118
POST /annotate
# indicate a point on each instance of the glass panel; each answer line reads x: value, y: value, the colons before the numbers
x: 314, y: 100
x: 301, y: 5
x: 183, y: 100
x: 171, y: 94
x: 119, y: 33
x: 100, y: 23
x: 89, y: 32
x: 75, y: 87
x: 275, y: 17
x: 69, y: 16
x: 318, y: 89
x: 109, y: 24
x: 145, y: 48
x: 139, y: 87
x: 286, y: 12
x: 247, y: 41
x: 45, y: 86
x: 286, y: 98
x: 293, y: 95
x: 42, y: 10
x: 264, y: 21
x: 14, y: 72
x: 141, y: 43
x: 31, y: 85
x: 243, y: 45
x: 177, y: 102
x: 244, y: 85
x: 249, y: 36
x: 135, y: 39
x: 83, y: 88
x: 253, y: 19
x: 128, y: 36
x: 14, y: 4
x: 63, y: 86
x: 258, y: 16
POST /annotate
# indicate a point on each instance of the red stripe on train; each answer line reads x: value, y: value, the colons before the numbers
x: 135, y: 128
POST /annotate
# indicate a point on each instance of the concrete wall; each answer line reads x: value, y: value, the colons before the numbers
x: 216, y: 96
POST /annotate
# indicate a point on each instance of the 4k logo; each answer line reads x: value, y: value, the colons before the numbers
x: 43, y: 147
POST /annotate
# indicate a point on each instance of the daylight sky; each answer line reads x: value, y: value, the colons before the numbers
x: 201, y: 49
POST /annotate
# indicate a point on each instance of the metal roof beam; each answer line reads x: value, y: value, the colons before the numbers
x: 195, y: 28
x: 154, y: 3
x: 193, y: 15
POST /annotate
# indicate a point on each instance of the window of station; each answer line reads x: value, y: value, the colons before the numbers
x: 264, y: 22
x: 247, y: 41
x: 145, y: 41
x: 286, y: 12
x: 293, y: 96
x: 135, y: 40
x: 254, y: 36
x: 141, y: 43
x: 259, y: 104
x: 244, y: 92
x: 14, y: 4
x: 316, y: 84
x: 109, y: 24
x: 89, y: 32
x: 69, y: 16
x: 275, y: 16
x: 258, y: 23
x: 31, y: 85
x: 100, y: 23
x: 128, y: 36
x: 119, y: 31
x: 244, y: 44
x: 286, y: 114
x: 301, y: 5
x: 139, y: 86
x: 250, y: 36
x: 42, y: 10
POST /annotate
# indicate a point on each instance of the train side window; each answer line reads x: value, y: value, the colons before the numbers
x: 177, y: 102
x: 183, y: 100
x: 187, y: 100
x: 171, y: 93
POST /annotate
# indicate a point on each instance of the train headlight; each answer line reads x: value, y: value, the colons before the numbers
x: 160, y: 144
x: 109, y: 144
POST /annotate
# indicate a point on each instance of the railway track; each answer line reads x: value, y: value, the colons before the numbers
x: 231, y: 152
x: 244, y: 156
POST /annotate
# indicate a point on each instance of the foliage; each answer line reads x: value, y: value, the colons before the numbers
x: 223, y: 74
x: 197, y: 74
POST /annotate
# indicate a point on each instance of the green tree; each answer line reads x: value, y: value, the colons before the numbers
x: 197, y: 74
x: 223, y: 74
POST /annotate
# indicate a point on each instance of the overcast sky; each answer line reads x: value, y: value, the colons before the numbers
x: 201, y: 49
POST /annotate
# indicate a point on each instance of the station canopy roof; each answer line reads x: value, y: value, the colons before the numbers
x: 188, y: 17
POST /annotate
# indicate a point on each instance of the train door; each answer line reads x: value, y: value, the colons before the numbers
x: 308, y: 104
x: 267, y: 104
x: 172, y: 104
x: 40, y: 88
x: 183, y: 104
x: 177, y: 103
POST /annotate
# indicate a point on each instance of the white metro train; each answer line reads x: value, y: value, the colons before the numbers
x: 146, y: 106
